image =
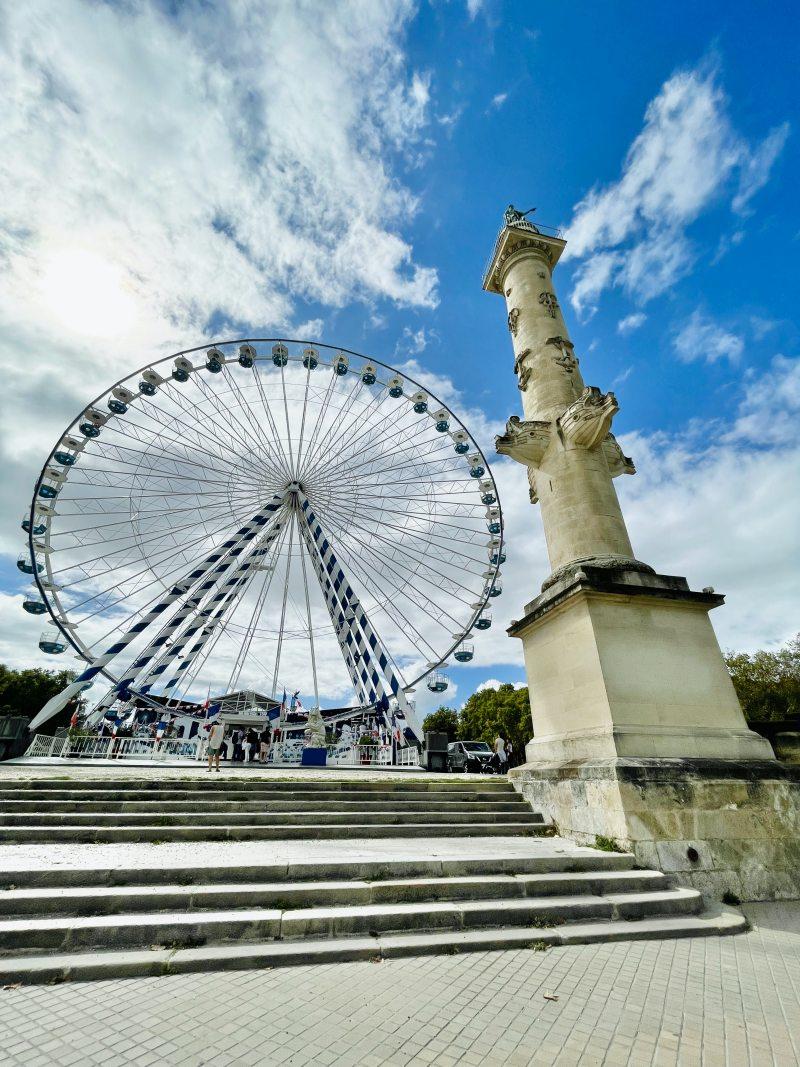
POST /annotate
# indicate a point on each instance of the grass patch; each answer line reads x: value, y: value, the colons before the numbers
x: 607, y: 844
x: 539, y: 946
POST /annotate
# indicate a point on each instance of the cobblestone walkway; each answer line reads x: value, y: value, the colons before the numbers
x: 732, y: 1001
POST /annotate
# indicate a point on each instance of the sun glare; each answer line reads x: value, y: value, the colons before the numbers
x: 87, y: 293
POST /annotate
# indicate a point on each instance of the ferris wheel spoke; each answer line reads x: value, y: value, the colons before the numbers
x: 272, y: 458
x: 186, y: 432
x: 321, y: 416
x: 234, y: 429
x: 244, y: 648
x: 412, y: 568
x: 325, y: 439
x: 447, y: 550
x: 363, y: 418
x: 372, y: 433
x: 268, y: 413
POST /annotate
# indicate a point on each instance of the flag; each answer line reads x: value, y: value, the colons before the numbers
x: 212, y: 709
x: 282, y: 714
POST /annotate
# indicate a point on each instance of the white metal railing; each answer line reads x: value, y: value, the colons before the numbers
x: 408, y: 756
x: 281, y: 753
x: 111, y: 748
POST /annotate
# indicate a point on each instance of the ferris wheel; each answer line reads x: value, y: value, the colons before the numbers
x: 264, y: 514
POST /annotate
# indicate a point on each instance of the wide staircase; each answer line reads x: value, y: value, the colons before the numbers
x: 508, y: 883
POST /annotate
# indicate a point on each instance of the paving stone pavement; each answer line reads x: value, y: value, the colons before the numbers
x: 732, y: 1001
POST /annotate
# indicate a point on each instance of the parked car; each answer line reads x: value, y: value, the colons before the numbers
x: 470, y: 756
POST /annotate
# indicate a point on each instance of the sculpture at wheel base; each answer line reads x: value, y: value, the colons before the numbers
x: 314, y: 736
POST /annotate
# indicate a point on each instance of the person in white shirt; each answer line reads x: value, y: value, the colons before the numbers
x: 500, y: 751
x: 215, y: 738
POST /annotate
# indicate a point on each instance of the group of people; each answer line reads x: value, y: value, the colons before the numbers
x: 242, y: 746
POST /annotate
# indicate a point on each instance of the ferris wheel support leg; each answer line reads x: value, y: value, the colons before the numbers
x: 157, y: 644
x: 210, y: 617
x: 362, y: 633
x: 225, y: 552
x: 336, y: 611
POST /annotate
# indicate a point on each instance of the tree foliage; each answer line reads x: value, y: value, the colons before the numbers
x: 26, y: 692
x: 443, y: 720
x: 767, y: 683
x: 486, y: 714
x: 490, y: 712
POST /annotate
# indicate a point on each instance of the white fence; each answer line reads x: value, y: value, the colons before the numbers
x: 111, y: 748
x: 286, y: 753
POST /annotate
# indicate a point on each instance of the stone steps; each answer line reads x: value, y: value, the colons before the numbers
x: 261, y: 803
x: 109, y: 964
x: 44, y: 834
x: 189, y: 929
x: 208, y: 783
x: 134, y: 897
x: 262, y: 818
x: 359, y: 899
x: 208, y: 809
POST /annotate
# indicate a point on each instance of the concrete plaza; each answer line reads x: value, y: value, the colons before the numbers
x: 730, y: 1000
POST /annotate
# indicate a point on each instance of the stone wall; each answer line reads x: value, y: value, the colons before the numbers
x: 716, y: 825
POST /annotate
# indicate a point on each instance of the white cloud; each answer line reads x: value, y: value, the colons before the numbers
x: 474, y: 7
x: 631, y: 322
x: 700, y: 338
x: 680, y: 164
x: 226, y: 165
x: 412, y: 342
x: 494, y: 683
x: 757, y: 167
x: 497, y: 101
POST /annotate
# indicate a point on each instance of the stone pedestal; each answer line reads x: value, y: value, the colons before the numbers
x: 622, y: 662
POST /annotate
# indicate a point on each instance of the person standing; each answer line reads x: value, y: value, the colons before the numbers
x: 263, y: 743
x: 245, y: 742
x: 215, y: 738
x: 509, y: 753
x: 500, y: 752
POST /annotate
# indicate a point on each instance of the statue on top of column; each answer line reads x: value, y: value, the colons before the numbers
x: 518, y: 218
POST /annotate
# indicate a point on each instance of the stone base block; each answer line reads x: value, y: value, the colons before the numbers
x: 720, y: 826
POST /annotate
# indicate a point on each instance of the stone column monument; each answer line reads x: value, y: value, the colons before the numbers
x: 630, y: 696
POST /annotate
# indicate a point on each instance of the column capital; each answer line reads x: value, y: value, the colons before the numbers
x: 514, y: 242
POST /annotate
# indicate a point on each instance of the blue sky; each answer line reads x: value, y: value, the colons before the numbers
x: 340, y: 170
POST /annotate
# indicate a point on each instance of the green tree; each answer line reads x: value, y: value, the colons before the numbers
x: 490, y: 712
x: 767, y: 683
x: 443, y: 720
x: 26, y: 692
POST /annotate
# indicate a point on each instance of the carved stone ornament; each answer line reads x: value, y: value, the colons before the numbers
x: 587, y: 421
x: 526, y: 442
x: 549, y: 300
x: 521, y: 370
x: 566, y: 357
x: 513, y: 321
x: 533, y: 492
x: 566, y: 360
x: 618, y: 462
x: 542, y: 274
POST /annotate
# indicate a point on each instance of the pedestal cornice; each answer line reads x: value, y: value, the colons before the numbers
x: 514, y: 242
